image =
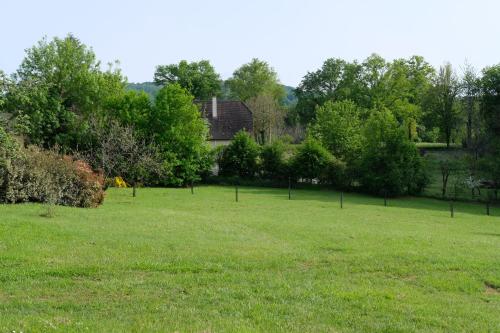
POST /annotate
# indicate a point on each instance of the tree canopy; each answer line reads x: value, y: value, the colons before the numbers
x: 199, y: 78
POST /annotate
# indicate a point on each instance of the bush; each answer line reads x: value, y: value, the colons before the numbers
x: 390, y: 164
x: 310, y: 160
x: 272, y: 161
x: 239, y: 158
x: 44, y: 176
x: 335, y: 174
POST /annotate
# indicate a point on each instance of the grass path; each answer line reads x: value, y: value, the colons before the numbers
x: 171, y: 261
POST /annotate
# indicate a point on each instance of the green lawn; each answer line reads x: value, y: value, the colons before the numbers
x: 170, y: 261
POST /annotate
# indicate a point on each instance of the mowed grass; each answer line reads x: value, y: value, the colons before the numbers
x: 170, y: 261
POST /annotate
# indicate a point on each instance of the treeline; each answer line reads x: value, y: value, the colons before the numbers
x: 357, y: 122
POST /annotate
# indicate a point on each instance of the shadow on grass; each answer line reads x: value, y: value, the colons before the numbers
x: 350, y: 198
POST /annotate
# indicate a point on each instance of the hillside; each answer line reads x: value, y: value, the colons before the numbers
x: 152, y: 89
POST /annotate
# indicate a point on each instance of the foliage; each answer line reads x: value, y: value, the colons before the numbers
x: 272, y: 161
x: 130, y: 108
x: 120, y: 152
x: 58, y: 86
x: 199, y: 78
x: 253, y: 79
x: 150, y: 88
x: 310, y: 160
x: 390, y: 164
x: 336, y: 174
x: 45, y: 176
x: 490, y: 103
x: 119, y: 182
x: 239, y: 158
x: 400, y: 85
x: 442, y: 101
x: 338, y: 127
x: 176, y: 127
x: 268, y: 117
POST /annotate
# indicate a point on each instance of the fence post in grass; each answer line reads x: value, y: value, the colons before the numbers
x: 236, y: 192
x: 289, y: 188
x: 452, y: 209
x: 488, y: 208
x: 385, y: 198
x: 341, y: 199
x: 192, y: 188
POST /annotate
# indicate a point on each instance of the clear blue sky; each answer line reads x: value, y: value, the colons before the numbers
x: 293, y: 36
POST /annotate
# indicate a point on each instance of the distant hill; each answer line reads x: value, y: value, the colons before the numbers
x: 290, y: 98
x: 148, y: 87
x: 152, y: 89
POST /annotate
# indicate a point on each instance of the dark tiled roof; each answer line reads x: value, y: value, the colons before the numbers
x: 232, y: 116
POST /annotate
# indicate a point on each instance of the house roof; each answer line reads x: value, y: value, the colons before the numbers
x: 232, y: 117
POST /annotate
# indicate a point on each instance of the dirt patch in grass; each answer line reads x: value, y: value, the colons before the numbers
x: 491, y: 289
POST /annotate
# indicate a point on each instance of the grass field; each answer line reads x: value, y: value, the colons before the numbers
x: 171, y: 261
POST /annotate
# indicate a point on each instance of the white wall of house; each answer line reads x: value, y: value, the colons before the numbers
x: 216, y: 143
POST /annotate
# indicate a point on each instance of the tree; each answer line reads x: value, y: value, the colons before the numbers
x: 121, y: 152
x: 58, y: 86
x: 338, y: 127
x: 443, y: 97
x: 175, y: 125
x: 268, y: 117
x: 335, y: 80
x: 199, y: 78
x: 311, y: 160
x: 253, y: 79
x: 239, y: 158
x: 390, y: 164
x: 273, y: 164
x: 131, y: 108
x: 470, y: 93
x: 490, y: 101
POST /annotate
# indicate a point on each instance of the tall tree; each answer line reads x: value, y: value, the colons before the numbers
x: 338, y: 127
x: 268, y: 117
x: 444, y: 94
x: 176, y: 127
x: 199, y: 78
x: 335, y: 80
x: 253, y: 79
x: 58, y: 86
x: 471, y: 89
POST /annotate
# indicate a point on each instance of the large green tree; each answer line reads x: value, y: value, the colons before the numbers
x: 199, y: 78
x: 58, y: 86
x: 390, y: 164
x: 338, y: 127
x: 253, y: 79
x: 443, y: 101
x: 336, y: 80
x: 176, y: 127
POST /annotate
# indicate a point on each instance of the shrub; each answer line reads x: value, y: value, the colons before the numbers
x: 239, y: 158
x: 44, y: 176
x: 272, y: 161
x: 390, y: 164
x: 335, y: 174
x: 310, y: 160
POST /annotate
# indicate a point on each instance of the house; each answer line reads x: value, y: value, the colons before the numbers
x: 225, y: 119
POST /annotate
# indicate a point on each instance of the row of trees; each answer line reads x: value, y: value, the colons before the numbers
x: 60, y: 97
x: 432, y: 105
x: 378, y: 158
x: 366, y: 115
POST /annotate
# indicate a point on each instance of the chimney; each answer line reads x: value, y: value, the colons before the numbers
x: 214, y: 107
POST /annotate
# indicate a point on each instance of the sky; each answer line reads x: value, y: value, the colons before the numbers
x: 293, y: 36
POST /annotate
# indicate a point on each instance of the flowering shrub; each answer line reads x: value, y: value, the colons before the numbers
x: 44, y: 176
x: 119, y: 182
